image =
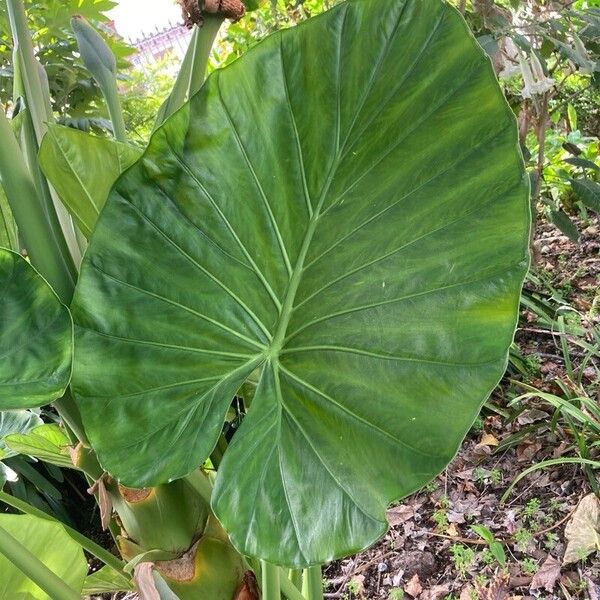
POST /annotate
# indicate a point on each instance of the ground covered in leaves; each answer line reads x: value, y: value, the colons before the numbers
x: 456, y: 539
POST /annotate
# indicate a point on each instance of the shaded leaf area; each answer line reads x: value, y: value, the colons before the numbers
x: 36, y: 337
x: 82, y: 168
x: 360, y: 245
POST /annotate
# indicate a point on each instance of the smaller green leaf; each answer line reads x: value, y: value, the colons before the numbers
x: 498, y: 553
x: 484, y: 533
x: 36, y: 337
x: 51, y: 544
x: 584, y: 163
x: 562, y: 221
x: 46, y: 442
x: 15, y: 422
x: 42, y: 484
x: 106, y: 581
x: 588, y: 192
x: 488, y: 43
x: 82, y: 168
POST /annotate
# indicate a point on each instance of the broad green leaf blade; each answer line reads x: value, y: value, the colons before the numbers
x: 15, y: 422
x: 48, y: 443
x: 588, y: 192
x: 36, y: 337
x: 82, y: 168
x: 51, y: 544
x: 345, y: 208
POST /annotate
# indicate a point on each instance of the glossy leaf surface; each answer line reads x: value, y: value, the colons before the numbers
x: 344, y: 213
x: 82, y: 169
x: 50, y: 543
x: 36, y: 337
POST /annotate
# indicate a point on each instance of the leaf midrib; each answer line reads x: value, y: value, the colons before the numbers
x: 279, y: 337
x: 290, y: 296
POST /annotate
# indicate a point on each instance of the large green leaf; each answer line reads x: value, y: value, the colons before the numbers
x: 36, y: 337
x: 345, y: 211
x: 82, y: 169
x: 50, y: 543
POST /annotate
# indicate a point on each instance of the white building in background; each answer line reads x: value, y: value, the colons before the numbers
x: 171, y: 40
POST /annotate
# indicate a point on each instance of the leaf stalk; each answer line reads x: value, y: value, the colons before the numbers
x: 34, y: 568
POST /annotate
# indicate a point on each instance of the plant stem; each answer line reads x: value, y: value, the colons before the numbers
x: 179, y: 92
x: 312, y: 587
x: 35, y: 569
x: 42, y: 245
x: 271, y: 589
x: 30, y: 81
x: 94, y: 549
x: 289, y: 589
x: 69, y: 413
x: 295, y: 576
x: 25, y: 54
x: 201, y: 484
x: 116, y: 114
x: 204, y: 41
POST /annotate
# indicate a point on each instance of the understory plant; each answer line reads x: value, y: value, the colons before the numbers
x: 291, y: 306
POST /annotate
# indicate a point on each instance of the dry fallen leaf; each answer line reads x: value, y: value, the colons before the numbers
x: 583, y: 530
x: 547, y: 576
x: 400, y: 514
x: 413, y: 587
x: 437, y: 592
x: 531, y: 416
x: 527, y: 450
x: 496, y: 590
x: 487, y: 439
x: 452, y: 530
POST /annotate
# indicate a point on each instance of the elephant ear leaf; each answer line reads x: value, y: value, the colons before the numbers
x: 36, y: 337
x: 82, y: 168
x: 342, y: 215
